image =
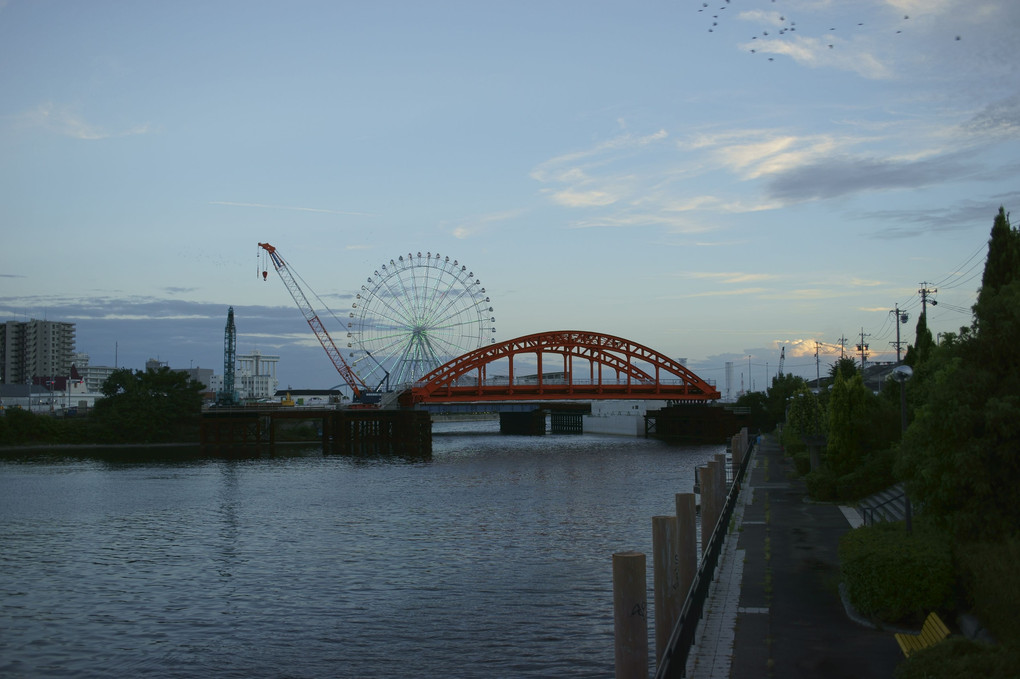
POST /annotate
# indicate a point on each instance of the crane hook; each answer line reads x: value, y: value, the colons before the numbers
x: 265, y: 274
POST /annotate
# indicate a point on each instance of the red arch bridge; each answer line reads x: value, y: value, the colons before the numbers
x: 567, y: 364
x: 561, y: 372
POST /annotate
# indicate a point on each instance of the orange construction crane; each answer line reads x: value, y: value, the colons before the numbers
x: 353, y: 381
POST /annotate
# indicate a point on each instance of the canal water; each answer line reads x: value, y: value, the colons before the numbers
x: 491, y: 559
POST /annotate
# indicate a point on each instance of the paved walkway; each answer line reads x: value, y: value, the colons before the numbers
x: 774, y: 608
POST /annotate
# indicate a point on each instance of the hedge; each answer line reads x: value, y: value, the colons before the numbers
x: 895, y: 576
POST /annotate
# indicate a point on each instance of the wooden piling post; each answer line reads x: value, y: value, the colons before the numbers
x: 630, y: 620
x: 707, y: 478
x: 667, y: 598
x: 720, y: 461
x: 736, y: 454
x: 687, y: 541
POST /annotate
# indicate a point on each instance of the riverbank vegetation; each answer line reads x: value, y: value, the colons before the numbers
x: 152, y: 406
x: 958, y: 459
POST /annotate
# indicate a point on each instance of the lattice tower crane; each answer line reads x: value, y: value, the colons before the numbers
x: 353, y: 381
x: 228, y: 396
x: 782, y: 359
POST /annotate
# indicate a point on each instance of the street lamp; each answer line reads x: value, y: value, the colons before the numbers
x: 903, y: 373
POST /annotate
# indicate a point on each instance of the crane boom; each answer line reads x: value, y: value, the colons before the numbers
x: 348, y: 375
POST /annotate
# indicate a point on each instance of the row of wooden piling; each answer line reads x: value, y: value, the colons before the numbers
x: 676, y: 560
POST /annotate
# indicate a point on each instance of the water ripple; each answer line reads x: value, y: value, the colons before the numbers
x: 492, y: 559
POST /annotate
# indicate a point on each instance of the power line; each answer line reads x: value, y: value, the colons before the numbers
x: 966, y: 280
x: 949, y: 276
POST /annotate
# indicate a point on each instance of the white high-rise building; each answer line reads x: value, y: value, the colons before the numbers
x: 256, y: 375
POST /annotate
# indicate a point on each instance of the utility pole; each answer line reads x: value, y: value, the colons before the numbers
x: 842, y: 347
x: 818, y: 374
x: 863, y: 348
x: 901, y: 317
x: 924, y: 292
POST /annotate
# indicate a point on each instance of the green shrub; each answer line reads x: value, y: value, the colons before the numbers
x: 895, y: 576
x: 988, y: 574
x: 874, y: 474
x: 821, y: 484
x: 801, y: 460
x: 958, y: 657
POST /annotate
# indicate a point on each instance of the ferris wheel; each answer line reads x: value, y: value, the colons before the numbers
x: 414, y: 314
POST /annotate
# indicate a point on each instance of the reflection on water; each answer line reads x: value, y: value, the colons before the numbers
x: 493, y: 558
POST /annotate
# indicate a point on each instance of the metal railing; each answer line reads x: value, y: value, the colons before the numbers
x: 674, y: 660
x: 869, y: 512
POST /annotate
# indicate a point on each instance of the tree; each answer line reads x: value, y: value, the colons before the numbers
x: 845, y: 366
x: 959, y: 455
x: 149, y: 406
x: 848, y: 423
x: 779, y: 395
x: 757, y: 405
x: 805, y: 417
x: 923, y: 345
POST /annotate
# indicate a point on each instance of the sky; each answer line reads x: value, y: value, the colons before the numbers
x: 719, y: 181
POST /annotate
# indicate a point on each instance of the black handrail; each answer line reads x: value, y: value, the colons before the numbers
x: 674, y: 659
x: 870, y: 510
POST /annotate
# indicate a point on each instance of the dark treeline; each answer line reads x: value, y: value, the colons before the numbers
x: 152, y: 406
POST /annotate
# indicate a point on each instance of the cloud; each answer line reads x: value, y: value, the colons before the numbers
x: 480, y: 224
x: 730, y: 276
x: 569, y: 166
x: 631, y: 220
x: 181, y: 332
x: 964, y: 216
x: 67, y: 122
x: 718, y: 293
x: 1000, y: 118
x: 864, y: 283
x: 289, y: 207
x: 816, y: 53
x: 836, y: 176
x: 572, y: 198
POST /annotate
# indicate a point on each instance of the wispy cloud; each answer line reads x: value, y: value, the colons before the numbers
x: 718, y: 293
x: 836, y: 176
x: 730, y: 276
x: 65, y: 121
x: 294, y: 208
x: 475, y: 225
x: 569, y: 167
x: 573, y: 198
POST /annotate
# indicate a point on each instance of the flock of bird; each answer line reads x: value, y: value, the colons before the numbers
x: 786, y: 25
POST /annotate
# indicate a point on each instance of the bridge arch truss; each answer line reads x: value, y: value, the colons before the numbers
x: 562, y: 364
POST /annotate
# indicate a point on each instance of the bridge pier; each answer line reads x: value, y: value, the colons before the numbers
x: 693, y: 423
x: 385, y: 432
x: 345, y: 431
x: 566, y: 423
x: 528, y: 423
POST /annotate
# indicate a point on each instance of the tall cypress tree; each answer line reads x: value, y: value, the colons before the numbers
x: 960, y: 454
x: 921, y: 349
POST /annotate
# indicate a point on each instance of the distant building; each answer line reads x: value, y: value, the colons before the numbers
x: 203, y: 375
x: 35, y: 351
x: 95, y: 375
x: 254, y: 377
x: 155, y: 364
